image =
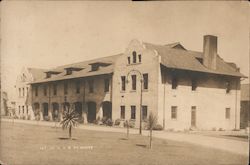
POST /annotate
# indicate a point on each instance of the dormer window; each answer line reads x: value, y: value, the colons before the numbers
x: 134, y: 56
x: 50, y: 73
x: 95, y: 66
x: 70, y: 70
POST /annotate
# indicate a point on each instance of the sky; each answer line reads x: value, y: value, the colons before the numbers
x: 45, y: 34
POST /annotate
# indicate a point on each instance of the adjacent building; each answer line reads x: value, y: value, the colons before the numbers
x: 245, y: 106
x: 185, y: 89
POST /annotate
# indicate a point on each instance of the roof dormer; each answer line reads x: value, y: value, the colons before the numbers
x: 70, y: 70
x: 96, y: 65
x: 50, y: 73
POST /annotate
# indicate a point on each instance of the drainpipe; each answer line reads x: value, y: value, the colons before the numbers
x: 164, y: 89
x: 236, y: 99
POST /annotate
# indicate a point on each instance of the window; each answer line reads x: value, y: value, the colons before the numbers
x: 122, y: 112
x: 23, y: 92
x: 174, y: 112
x: 78, y: 86
x: 133, y: 108
x: 45, y: 90
x: 174, y: 83
x: 65, y: 88
x: 106, y: 85
x: 91, y: 86
x: 23, y: 109
x: 134, y: 56
x: 194, y: 84
x: 19, y: 110
x: 145, y: 81
x: 19, y: 92
x: 123, y: 78
x: 139, y: 57
x: 54, y: 89
x: 128, y: 60
x: 144, y: 112
x: 27, y: 109
x: 27, y: 91
x: 227, y: 113
x: 228, y: 87
x: 133, y: 82
x: 36, y: 91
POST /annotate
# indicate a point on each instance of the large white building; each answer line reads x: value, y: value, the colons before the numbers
x: 185, y: 89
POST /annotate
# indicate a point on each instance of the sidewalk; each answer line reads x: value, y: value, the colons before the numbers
x: 231, y: 145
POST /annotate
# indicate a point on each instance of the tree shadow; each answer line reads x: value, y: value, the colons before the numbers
x: 141, y: 145
x: 123, y: 139
x: 66, y: 138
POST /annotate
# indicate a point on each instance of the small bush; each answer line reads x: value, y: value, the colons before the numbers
x: 80, y: 120
x: 29, y: 117
x: 46, y: 118
x: 158, y: 127
x: 221, y: 129
x: 104, y: 119
x: 131, y: 124
x: 214, y: 129
x: 117, y: 122
x: 109, y: 122
x: 24, y: 117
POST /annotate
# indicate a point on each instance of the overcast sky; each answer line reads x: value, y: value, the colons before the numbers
x: 51, y: 33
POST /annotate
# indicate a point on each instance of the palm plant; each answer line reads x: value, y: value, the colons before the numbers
x: 152, y: 121
x: 70, y: 120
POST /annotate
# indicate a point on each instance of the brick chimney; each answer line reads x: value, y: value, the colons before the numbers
x: 209, y: 51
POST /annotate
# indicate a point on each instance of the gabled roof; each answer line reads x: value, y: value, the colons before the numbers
x: 86, y: 72
x: 188, y: 60
x: 37, y: 73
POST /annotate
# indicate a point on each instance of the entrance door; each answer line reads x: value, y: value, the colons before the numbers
x: 193, y: 116
x: 91, y: 112
x: 107, y: 110
x: 45, y: 109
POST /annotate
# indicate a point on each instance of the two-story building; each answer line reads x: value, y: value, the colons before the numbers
x: 185, y: 89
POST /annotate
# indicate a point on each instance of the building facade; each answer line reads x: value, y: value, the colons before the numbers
x: 185, y: 89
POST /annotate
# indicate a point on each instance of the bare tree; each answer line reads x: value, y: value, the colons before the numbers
x: 152, y: 121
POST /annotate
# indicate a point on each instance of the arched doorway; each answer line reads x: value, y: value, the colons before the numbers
x: 78, y: 108
x: 107, y: 109
x: 37, y: 111
x: 55, y: 111
x: 45, y: 109
x: 91, y: 112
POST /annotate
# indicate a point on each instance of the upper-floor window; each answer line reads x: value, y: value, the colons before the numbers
x: 123, y: 79
x: 194, y: 84
x: 139, y: 58
x: 19, y: 92
x: 106, y: 85
x: 174, y: 112
x: 144, y: 112
x: 23, y: 92
x: 227, y: 115
x: 134, y: 56
x: 145, y: 81
x: 228, y: 87
x: 91, y: 86
x: 174, y: 82
x: 128, y: 60
x: 133, y: 112
x: 122, y: 112
x: 78, y: 86
x: 65, y: 86
x: 54, y: 89
x: 27, y: 91
x: 23, y: 109
x: 45, y: 90
x: 133, y: 82
x: 36, y: 90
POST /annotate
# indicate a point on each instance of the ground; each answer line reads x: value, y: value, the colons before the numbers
x: 34, y: 144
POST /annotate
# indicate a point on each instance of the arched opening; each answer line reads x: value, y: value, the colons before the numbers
x: 55, y: 111
x: 66, y: 107
x: 37, y: 110
x: 78, y: 108
x: 107, y: 109
x: 91, y: 112
x: 45, y: 109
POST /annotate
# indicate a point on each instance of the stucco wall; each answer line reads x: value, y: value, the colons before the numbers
x: 210, y: 99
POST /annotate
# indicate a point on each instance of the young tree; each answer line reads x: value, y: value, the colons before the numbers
x: 127, y: 125
x: 70, y: 120
x: 152, y: 121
